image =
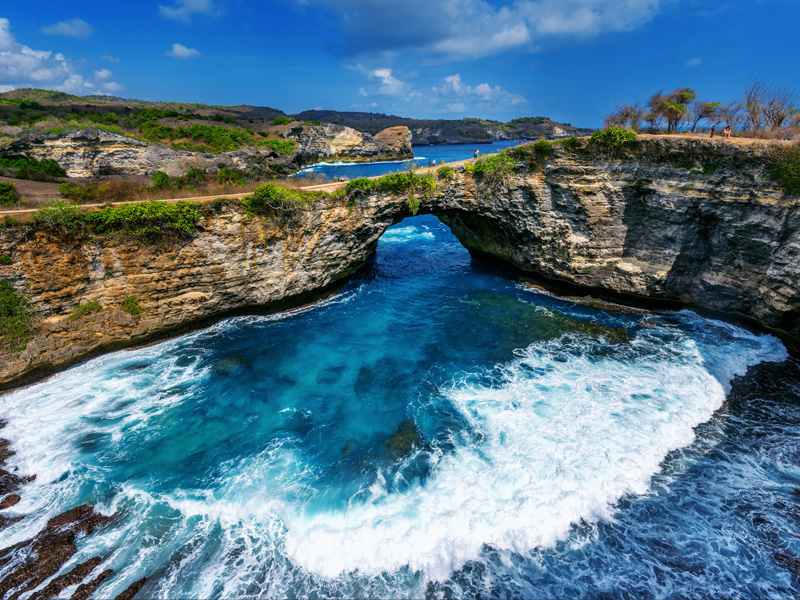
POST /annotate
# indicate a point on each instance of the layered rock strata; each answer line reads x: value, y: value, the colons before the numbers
x: 97, y: 153
x: 645, y: 223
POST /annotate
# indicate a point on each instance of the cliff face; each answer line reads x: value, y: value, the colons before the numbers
x: 645, y: 223
x: 93, y: 153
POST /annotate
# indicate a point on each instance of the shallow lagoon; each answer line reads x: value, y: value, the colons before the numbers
x: 437, y: 429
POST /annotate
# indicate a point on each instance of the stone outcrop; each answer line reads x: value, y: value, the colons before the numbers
x: 97, y: 153
x: 336, y: 142
x: 646, y: 223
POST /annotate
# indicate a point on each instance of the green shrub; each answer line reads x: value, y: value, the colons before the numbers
x: 413, y: 203
x: 571, y: 143
x: 785, y: 167
x: 362, y: 183
x: 613, y: 138
x: 226, y: 176
x: 146, y: 221
x: 83, y: 310
x: 5, y: 259
x: 282, y: 120
x: 272, y: 197
x: 16, y: 314
x: 162, y: 181
x: 491, y: 168
x: 131, y: 304
x: 446, y: 172
x: 58, y: 214
x: 282, y: 147
x: 76, y: 192
x: 543, y: 148
x: 8, y: 193
x: 48, y: 166
x: 195, y: 176
x: 709, y: 168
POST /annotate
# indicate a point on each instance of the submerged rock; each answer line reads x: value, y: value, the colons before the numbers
x: 404, y: 440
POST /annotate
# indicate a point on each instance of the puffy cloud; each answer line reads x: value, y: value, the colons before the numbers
x: 388, y: 84
x: 465, y: 29
x: 182, y: 52
x: 482, y: 92
x: 184, y: 9
x: 21, y: 66
x: 109, y: 58
x: 76, y: 28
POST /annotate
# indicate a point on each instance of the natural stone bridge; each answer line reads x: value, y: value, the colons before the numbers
x: 644, y: 224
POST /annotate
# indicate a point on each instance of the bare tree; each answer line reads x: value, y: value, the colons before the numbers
x: 655, y: 113
x: 627, y: 116
x: 779, y: 102
x: 753, y: 100
x: 704, y: 110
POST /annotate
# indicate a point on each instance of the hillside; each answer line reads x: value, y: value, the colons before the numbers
x: 214, y: 129
x: 449, y: 131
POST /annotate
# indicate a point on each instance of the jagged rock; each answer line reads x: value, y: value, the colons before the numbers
x: 76, y: 575
x: 403, y: 441
x: 337, y: 142
x: 39, y: 558
x: 638, y: 223
x: 132, y: 590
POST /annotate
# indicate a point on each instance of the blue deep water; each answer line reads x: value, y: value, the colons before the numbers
x: 435, y: 430
x: 422, y: 155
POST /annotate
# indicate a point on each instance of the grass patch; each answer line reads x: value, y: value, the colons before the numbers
x: 571, y: 144
x: 5, y: 259
x: 785, y: 167
x: 149, y: 222
x: 271, y: 197
x: 16, y: 314
x: 543, y: 148
x: 613, y: 138
x: 446, y: 173
x: 131, y: 305
x: 709, y: 168
x: 83, y: 310
x: 492, y: 168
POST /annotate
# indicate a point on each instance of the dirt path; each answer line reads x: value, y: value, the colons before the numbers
x: 323, y: 187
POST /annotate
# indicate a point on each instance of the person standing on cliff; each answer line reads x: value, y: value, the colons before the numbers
x: 712, y: 132
x: 475, y: 154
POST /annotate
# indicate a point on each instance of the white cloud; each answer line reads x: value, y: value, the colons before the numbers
x: 466, y: 29
x: 109, y: 58
x: 457, y: 107
x: 182, y: 52
x: 76, y: 28
x: 388, y: 84
x: 21, y: 66
x: 184, y: 9
x: 694, y: 62
x: 453, y: 86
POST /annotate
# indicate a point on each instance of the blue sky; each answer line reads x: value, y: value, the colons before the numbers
x: 571, y: 60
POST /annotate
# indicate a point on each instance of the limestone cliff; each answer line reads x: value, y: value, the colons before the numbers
x: 684, y: 220
x: 93, y: 152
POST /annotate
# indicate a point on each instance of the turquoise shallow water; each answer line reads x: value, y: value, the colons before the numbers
x: 423, y: 156
x: 435, y: 430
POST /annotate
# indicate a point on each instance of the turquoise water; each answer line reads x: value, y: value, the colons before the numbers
x: 435, y: 430
x: 423, y: 156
